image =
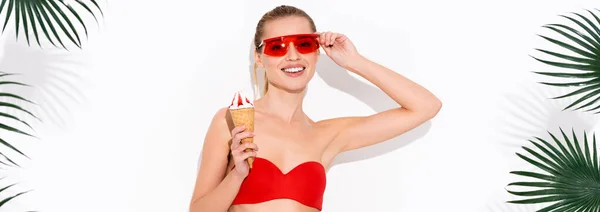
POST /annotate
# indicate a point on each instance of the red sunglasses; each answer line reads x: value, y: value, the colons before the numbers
x: 278, y: 46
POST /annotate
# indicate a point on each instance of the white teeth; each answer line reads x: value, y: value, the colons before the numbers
x: 293, y: 70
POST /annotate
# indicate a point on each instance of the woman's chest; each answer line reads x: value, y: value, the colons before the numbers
x: 293, y: 142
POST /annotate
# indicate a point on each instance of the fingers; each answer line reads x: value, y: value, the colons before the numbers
x: 237, y: 135
x: 327, y: 39
x: 237, y: 130
x: 242, y: 157
x: 236, y: 141
x: 244, y: 146
x: 331, y: 39
x: 239, y: 154
x: 246, y: 155
x: 324, y: 39
x: 252, y: 147
x: 237, y: 148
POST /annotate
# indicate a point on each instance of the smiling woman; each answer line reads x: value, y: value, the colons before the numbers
x: 289, y: 171
x: 277, y: 47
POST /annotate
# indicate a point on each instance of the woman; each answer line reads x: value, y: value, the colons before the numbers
x: 291, y: 152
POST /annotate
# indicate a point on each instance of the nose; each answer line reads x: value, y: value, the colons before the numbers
x: 292, y: 54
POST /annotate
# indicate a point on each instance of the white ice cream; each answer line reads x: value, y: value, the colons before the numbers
x: 240, y: 100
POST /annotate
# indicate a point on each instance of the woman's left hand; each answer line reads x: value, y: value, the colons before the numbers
x: 339, y: 48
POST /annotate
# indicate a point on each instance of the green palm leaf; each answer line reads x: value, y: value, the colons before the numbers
x: 583, y: 44
x: 8, y: 123
x: 7, y: 126
x: 7, y: 197
x: 55, y: 19
x: 571, y: 177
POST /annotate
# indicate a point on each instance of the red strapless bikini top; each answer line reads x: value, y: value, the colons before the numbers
x: 305, y: 184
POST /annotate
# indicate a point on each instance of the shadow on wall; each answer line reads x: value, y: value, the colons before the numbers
x: 532, y: 112
x: 48, y: 72
x: 497, y: 203
x: 377, y: 100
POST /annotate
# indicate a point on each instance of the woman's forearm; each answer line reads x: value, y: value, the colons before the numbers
x: 220, y: 198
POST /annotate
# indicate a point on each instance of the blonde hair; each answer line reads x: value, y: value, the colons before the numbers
x: 266, y: 88
x: 274, y: 14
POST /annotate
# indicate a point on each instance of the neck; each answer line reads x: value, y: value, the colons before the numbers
x: 283, y: 105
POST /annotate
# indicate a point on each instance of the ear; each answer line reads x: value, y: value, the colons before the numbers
x: 258, y: 59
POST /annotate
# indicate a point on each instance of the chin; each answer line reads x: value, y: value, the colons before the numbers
x: 296, y: 89
x: 293, y: 80
x: 291, y: 86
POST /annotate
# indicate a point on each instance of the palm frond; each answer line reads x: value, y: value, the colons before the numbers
x: 7, y: 126
x: 55, y: 19
x: 571, y: 177
x: 6, y: 198
x: 583, y: 59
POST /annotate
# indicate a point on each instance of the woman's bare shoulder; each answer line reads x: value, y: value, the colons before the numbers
x: 214, y: 154
x: 223, y: 118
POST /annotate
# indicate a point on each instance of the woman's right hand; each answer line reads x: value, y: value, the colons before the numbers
x: 237, y: 151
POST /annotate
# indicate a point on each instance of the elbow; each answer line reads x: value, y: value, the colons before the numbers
x: 194, y: 205
x: 427, y: 109
x: 433, y: 108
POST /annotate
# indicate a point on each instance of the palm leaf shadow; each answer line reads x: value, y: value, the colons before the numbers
x: 504, y: 207
x: 531, y: 112
x: 52, y: 75
x: 497, y: 203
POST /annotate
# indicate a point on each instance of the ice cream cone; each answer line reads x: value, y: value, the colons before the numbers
x: 244, y: 116
x: 242, y: 113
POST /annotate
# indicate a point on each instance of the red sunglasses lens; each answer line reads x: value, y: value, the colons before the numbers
x: 275, y: 48
x: 279, y: 47
x: 306, y: 45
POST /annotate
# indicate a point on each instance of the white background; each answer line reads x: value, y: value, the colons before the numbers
x: 125, y: 118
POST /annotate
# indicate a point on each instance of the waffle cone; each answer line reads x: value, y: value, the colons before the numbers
x: 244, y: 116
